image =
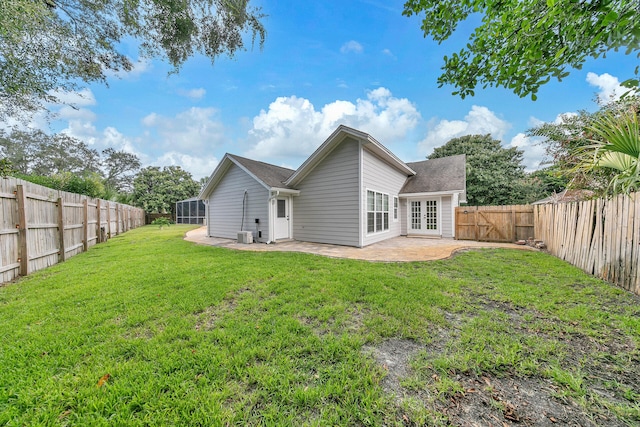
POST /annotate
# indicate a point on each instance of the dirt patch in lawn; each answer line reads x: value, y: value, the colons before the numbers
x: 516, y: 401
x: 607, y: 368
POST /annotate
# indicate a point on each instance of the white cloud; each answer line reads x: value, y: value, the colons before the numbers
x: 138, y: 68
x: 387, y: 52
x: 534, y: 151
x: 610, y: 88
x: 81, y: 98
x: 351, y: 46
x: 292, y: 127
x: 198, y: 166
x: 479, y: 121
x: 560, y: 118
x: 193, y: 93
x: 195, y: 128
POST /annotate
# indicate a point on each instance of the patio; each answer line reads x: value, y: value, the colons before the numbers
x: 397, y: 249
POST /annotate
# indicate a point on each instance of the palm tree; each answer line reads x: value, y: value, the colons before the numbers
x: 615, y: 145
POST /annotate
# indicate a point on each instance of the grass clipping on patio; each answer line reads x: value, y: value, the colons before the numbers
x: 148, y: 329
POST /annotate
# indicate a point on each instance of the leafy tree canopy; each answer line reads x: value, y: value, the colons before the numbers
x: 52, y: 45
x: 521, y: 45
x: 43, y: 155
x: 615, y: 138
x: 495, y: 175
x: 89, y: 184
x: 157, y: 190
x: 570, y: 144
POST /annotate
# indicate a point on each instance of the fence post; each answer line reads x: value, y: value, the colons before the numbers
x: 23, y: 247
x: 475, y: 221
x: 63, y: 252
x: 513, y: 229
x: 85, y: 225
x: 99, y: 219
x: 108, y: 220
x: 117, y: 219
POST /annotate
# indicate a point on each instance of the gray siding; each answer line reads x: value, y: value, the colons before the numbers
x: 403, y: 217
x: 381, y: 177
x: 326, y: 211
x: 446, y: 223
x: 225, y: 205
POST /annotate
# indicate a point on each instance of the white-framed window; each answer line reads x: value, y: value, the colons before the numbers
x: 396, y: 205
x: 377, y: 212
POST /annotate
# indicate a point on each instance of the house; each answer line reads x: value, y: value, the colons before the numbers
x: 351, y: 191
x: 566, y: 196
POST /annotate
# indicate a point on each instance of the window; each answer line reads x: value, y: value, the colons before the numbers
x: 395, y: 209
x: 282, y: 208
x: 377, y: 212
x: 431, y: 214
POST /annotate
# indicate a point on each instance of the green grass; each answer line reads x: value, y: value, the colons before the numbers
x: 196, y: 335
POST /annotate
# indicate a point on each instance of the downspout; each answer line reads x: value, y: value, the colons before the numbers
x: 272, y: 223
x: 244, y: 200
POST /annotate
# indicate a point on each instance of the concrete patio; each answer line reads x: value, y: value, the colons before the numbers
x: 397, y: 249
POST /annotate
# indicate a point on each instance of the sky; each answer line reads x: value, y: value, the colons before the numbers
x: 359, y: 63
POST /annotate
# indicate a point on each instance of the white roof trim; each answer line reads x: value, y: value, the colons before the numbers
x: 219, y: 172
x: 286, y: 191
x: 432, y: 193
x: 334, y: 139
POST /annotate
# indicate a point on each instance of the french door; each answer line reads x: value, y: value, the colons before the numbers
x: 424, y: 216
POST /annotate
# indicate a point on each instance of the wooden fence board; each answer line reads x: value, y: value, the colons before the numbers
x: 494, y: 223
x: 601, y: 237
x: 40, y: 226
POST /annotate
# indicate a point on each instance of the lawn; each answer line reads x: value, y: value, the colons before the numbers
x: 148, y: 329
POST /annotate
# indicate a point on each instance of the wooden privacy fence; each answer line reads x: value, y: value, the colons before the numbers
x: 494, y: 223
x: 602, y: 237
x: 40, y: 226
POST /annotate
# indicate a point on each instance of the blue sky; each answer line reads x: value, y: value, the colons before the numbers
x: 359, y: 63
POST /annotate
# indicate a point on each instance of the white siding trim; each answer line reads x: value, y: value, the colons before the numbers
x: 454, y: 204
x: 361, y: 201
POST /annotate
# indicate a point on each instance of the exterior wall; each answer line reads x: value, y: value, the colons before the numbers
x: 225, y: 206
x: 403, y: 216
x: 379, y: 176
x: 446, y: 224
x: 326, y: 211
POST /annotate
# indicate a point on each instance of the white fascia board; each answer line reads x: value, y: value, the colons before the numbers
x: 248, y: 172
x: 288, y: 191
x: 384, y: 152
x: 321, y: 152
x: 215, y: 177
x: 433, y: 193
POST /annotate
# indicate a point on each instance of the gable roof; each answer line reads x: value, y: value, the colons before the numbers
x: 566, y: 196
x: 435, y: 175
x: 268, y: 175
x: 334, y: 140
x: 271, y: 175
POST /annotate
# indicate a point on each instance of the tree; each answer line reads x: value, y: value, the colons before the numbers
x: 6, y: 168
x: 38, y: 153
x: 569, y: 140
x: 52, y: 45
x: 615, y: 147
x: 495, y: 175
x: 63, y: 153
x: 89, y: 184
x: 521, y: 45
x: 157, y: 190
x: 119, y: 168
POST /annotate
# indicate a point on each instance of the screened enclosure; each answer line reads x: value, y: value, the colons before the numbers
x: 190, y: 211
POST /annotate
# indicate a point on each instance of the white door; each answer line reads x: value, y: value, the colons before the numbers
x: 281, y: 226
x: 423, y: 217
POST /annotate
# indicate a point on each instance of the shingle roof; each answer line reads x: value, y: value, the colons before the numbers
x: 443, y: 174
x: 272, y: 175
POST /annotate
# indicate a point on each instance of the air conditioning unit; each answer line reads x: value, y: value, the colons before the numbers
x: 245, y: 237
